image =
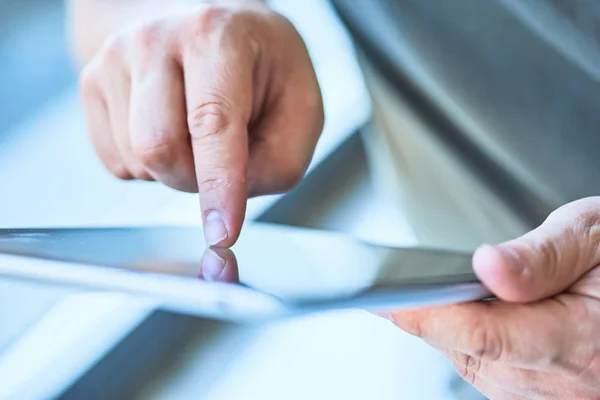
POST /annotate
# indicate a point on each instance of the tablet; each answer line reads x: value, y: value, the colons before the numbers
x: 272, y: 271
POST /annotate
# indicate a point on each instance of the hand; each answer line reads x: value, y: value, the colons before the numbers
x: 542, y: 340
x: 221, y: 99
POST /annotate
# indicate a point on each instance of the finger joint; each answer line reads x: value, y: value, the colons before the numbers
x: 160, y: 154
x: 484, y: 345
x: 207, y: 184
x: 88, y: 82
x: 468, y: 367
x: 210, y: 19
x: 207, y: 119
x: 120, y: 171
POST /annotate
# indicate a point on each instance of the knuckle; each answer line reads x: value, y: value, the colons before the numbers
x: 89, y: 85
x: 485, y: 345
x: 292, y: 173
x: 210, y: 19
x: 159, y: 154
x: 146, y: 40
x: 222, y: 22
x: 120, y: 171
x: 139, y: 172
x: 292, y: 178
x: 211, y: 182
x: 468, y: 367
x: 218, y: 179
x: 551, y: 257
x: 208, y: 118
x: 111, y: 53
x: 148, y: 35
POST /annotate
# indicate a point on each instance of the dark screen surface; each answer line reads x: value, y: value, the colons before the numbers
x: 290, y: 263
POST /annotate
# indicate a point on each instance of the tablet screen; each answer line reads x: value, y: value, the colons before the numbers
x: 293, y: 264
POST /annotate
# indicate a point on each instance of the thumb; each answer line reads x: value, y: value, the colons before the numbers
x: 547, y: 260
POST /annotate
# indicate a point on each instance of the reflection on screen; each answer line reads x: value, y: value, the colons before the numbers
x: 290, y: 263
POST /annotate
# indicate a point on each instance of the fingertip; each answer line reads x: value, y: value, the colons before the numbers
x: 487, y: 263
x: 229, y: 241
x: 223, y: 201
x: 215, y: 228
x: 221, y: 229
x: 502, y: 270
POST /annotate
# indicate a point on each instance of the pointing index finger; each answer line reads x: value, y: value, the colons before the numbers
x: 218, y: 71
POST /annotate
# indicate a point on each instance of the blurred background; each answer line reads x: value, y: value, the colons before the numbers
x: 64, y: 344
x: 34, y: 71
x: 34, y: 62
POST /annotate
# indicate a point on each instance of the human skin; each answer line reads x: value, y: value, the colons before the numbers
x: 218, y: 98
x: 540, y: 340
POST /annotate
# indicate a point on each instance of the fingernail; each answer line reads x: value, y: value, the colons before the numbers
x: 214, y: 228
x: 212, y: 265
